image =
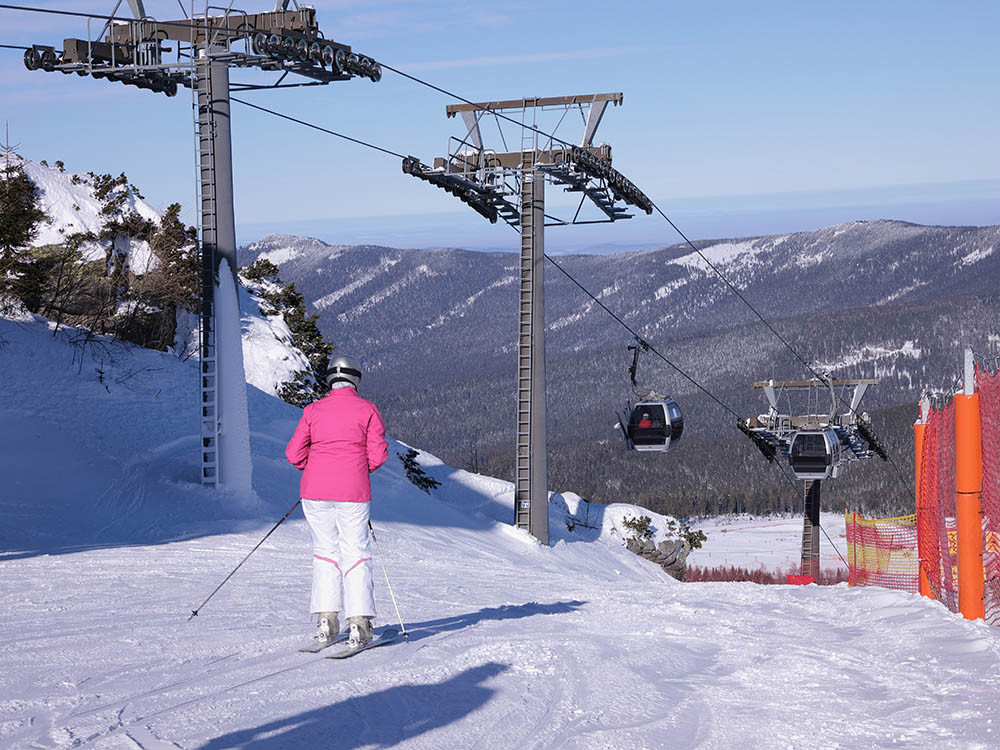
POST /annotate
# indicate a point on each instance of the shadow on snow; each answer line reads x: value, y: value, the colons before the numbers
x: 427, y: 628
x: 382, y: 719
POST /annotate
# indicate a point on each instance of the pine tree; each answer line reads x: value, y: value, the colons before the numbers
x: 415, y: 473
x: 157, y: 294
x: 20, y: 215
x: 306, y: 385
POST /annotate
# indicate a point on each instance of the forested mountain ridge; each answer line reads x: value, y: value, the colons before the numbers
x: 436, y: 328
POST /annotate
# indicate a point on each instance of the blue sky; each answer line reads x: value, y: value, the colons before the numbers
x: 738, y: 118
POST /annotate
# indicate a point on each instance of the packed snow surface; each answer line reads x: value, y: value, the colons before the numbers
x: 772, y: 543
x: 108, y: 543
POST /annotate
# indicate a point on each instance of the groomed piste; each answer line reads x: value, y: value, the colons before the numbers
x: 108, y: 542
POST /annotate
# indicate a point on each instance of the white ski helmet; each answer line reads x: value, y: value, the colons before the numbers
x: 343, y: 369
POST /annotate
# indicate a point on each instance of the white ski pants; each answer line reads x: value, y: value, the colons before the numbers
x: 342, y: 560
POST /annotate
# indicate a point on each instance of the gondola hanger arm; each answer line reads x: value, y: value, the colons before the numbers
x: 639, y: 346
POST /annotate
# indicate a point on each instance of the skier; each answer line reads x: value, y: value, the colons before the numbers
x: 339, y: 441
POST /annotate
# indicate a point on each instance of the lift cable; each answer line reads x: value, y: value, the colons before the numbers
x: 317, y: 127
x: 643, y: 342
x: 834, y: 547
x: 499, y: 115
x: 715, y: 269
x: 547, y: 256
x: 562, y: 270
x: 537, y: 131
x: 96, y: 16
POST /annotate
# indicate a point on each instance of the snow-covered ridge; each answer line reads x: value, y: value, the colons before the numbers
x: 71, y: 207
x: 282, y: 248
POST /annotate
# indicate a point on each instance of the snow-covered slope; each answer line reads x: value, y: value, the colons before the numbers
x: 71, y: 207
x: 437, y: 330
x: 108, y: 543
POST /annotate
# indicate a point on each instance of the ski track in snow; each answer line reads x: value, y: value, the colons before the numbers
x: 384, y: 265
x: 461, y: 308
x: 109, y: 543
x: 420, y: 272
x: 594, y: 664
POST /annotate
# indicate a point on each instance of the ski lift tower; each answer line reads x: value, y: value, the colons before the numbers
x: 510, y: 185
x: 198, y: 52
x: 818, y: 445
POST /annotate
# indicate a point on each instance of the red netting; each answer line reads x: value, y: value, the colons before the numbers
x: 988, y: 387
x: 936, y: 517
x: 947, y: 512
x: 927, y: 516
x: 883, y: 552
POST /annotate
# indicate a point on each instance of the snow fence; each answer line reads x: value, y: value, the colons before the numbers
x: 883, y: 552
x: 937, y: 513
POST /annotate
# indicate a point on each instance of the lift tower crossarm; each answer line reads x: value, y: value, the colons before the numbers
x: 798, y: 384
x: 224, y: 28
x: 546, y: 101
x: 465, y: 162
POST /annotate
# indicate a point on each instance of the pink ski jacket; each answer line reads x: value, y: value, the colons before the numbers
x: 340, y: 440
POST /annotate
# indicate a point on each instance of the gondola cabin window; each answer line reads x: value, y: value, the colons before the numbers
x: 676, y: 421
x: 650, y: 426
x: 811, y: 454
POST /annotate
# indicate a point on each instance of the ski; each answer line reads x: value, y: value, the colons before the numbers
x: 387, y: 636
x: 314, y: 646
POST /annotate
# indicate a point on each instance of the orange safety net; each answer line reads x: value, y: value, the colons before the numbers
x: 988, y: 386
x: 936, y: 519
x: 883, y: 552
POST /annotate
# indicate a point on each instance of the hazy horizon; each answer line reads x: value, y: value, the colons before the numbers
x: 963, y: 203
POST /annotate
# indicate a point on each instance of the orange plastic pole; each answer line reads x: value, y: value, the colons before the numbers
x: 918, y: 450
x: 969, y: 489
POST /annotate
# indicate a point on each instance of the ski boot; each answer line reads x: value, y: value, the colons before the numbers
x: 361, y: 631
x: 327, y: 628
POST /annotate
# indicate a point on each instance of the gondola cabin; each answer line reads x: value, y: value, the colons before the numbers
x: 815, y: 454
x: 655, y: 426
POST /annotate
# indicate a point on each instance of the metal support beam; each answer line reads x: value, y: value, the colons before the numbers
x: 225, y: 423
x: 472, y: 125
x: 797, y: 385
x: 859, y: 393
x: 137, y: 8
x: 594, y: 117
x: 810, y: 530
x: 531, y: 501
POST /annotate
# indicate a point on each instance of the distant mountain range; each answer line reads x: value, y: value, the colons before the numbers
x: 436, y: 331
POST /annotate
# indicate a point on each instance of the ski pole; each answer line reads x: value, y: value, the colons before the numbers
x: 194, y: 612
x: 392, y: 596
